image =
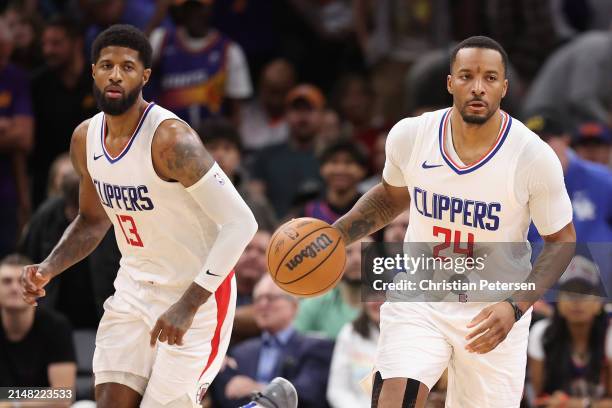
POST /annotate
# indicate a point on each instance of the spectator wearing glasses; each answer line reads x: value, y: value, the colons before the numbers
x: 279, y: 351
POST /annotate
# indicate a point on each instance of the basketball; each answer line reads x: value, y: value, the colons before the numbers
x: 306, y: 257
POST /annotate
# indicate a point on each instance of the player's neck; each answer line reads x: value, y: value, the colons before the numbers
x: 122, y: 126
x: 580, y: 333
x: 472, y: 136
x: 17, y: 323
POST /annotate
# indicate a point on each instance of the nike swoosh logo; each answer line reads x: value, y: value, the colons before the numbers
x: 97, y: 157
x: 212, y: 274
x: 429, y: 166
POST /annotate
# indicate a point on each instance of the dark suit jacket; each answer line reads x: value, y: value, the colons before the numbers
x: 304, y: 361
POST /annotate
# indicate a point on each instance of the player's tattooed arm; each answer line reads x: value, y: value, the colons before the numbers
x: 178, y: 153
x: 82, y: 235
x: 377, y: 208
x: 91, y: 224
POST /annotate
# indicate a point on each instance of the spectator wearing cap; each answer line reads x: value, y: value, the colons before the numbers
x: 223, y: 142
x: 343, y: 165
x: 62, y: 96
x: 575, y: 83
x: 283, y: 170
x: 592, y: 142
x: 264, y: 119
x: 570, y: 353
x: 198, y: 71
x: 36, y: 347
x: 16, y: 128
x: 589, y: 185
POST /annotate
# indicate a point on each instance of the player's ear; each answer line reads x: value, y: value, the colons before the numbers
x: 449, y: 83
x: 93, y: 71
x: 146, y: 74
x: 505, y: 87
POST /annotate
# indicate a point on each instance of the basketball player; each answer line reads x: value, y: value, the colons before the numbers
x: 486, y: 164
x: 180, y: 224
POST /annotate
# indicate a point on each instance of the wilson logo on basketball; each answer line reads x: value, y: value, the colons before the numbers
x: 310, y: 251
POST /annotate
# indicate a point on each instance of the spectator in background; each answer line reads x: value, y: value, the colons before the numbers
x: 16, y: 127
x: 71, y: 293
x: 353, y: 359
x: 279, y: 351
x: 331, y: 130
x: 527, y: 30
x: 282, y: 170
x: 319, y: 38
x: 198, y: 71
x: 223, y: 143
x: 592, y: 142
x: 59, y: 168
x: 26, y: 28
x: 254, y: 25
x: 263, y: 121
x: 36, y: 347
x: 589, y: 185
x: 328, y: 313
x: 575, y: 82
x: 62, y: 97
x: 343, y: 165
x: 393, y: 35
x: 570, y: 353
x: 250, y: 268
x: 355, y: 104
x: 101, y: 14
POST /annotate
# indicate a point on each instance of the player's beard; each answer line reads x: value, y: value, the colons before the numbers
x: 475, y: 119
x: 115, y: 107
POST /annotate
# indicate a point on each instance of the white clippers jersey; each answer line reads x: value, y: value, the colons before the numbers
x: 491, y: 201
x: 163, y: 234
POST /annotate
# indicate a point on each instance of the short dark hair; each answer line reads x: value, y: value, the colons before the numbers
x: 355, y: 150
x: 15, y: 260
x: 70, y: 26
x: 214, y: 129
x: 480, y: 41
x: 123, y: 35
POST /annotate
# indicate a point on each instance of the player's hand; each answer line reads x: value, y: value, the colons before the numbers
x: 241, y: 386
x: 492, y: 325
x: 173, y: 324
x: 33, y: 279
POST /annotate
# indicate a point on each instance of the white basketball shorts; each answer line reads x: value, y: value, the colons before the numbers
x: 420, y: 340
x: 170, y: 372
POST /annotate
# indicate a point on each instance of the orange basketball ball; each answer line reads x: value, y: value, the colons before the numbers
x: 306, y: 257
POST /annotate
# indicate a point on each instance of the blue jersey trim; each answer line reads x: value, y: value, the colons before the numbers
x: 483, y: 162
x: 127, y: 147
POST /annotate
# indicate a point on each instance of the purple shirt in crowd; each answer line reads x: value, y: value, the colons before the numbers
x: 14, y: 100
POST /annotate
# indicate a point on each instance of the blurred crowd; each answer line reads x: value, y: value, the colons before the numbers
x: 294, y: 99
